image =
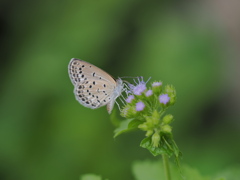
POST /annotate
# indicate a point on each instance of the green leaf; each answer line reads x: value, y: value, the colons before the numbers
x: 90, y: 177
x: 167, y: 146
x: 126, y: 126
x: 147, y: 143
x: 231, y: 173
x: 143, y: 170
x: 154, y: 170
x: 192, y: 173
x: 134, y: 124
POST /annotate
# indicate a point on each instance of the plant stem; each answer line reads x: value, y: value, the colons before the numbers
x: 166, y: 167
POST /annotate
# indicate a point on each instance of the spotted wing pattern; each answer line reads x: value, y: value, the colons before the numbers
x: 93, y: 87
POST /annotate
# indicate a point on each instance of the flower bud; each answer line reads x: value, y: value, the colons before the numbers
x: 149, y: 120
x: 155, y: 139
x: 149, y: 123
x: 170, y: 90
x: 128, y: 111
x: 157, y: 87
x: 167, y: 129
x: 149, y: 133
x: 172, y: 99
x: 167, y: 119
x: 143, y: 126
x: 155, y: 117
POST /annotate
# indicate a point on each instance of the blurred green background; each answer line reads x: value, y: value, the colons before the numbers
x: 46, y: 134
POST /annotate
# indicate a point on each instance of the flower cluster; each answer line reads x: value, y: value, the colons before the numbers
x: 147, y: 106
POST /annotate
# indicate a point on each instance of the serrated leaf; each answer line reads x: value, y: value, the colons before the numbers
x: 126, y: 126
x: 147, y: 143
x: 167, y: 146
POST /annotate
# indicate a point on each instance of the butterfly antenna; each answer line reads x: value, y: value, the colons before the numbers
x: 129, y: 77
x: 148, y: 79
x: 125, y: 81
x: 134, y: 81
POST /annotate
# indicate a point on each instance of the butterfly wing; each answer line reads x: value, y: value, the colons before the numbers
x: 93, y: 87
x: 92, y: 96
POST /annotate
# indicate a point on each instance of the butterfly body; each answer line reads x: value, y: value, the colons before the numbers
x: 93, y: 87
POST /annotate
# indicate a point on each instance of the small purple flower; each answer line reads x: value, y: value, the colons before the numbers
x: 154, y: 84
x: 131, y: 86
x: 149, y: 93
x: 140, y: 106
x: 164, y: 98
x: 139, y: 88
x: 129, y: 99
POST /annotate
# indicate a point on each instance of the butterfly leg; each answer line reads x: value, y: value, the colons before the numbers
x: 118, y: 106
x: 122, y: 99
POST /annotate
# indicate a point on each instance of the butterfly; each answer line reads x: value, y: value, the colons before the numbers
x: 93, y: 87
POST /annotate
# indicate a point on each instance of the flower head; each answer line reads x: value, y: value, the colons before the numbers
x: 149, y: 93
x: 154, y: 84
x: 129, y: 99
x: 157, y: 87
x: 144, y: 108
x: 139, y: 88
x: 140, y: 106
x: 164, y: 98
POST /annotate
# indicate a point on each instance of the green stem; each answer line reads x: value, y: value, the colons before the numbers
x: 166, y: 167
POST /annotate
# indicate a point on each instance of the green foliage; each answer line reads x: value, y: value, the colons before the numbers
x: 126, y: 126
x: 90, y: 177
x: 231, y: 173
x: 167, y: 146
x: 143, y: 170
x: 154, y: 170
